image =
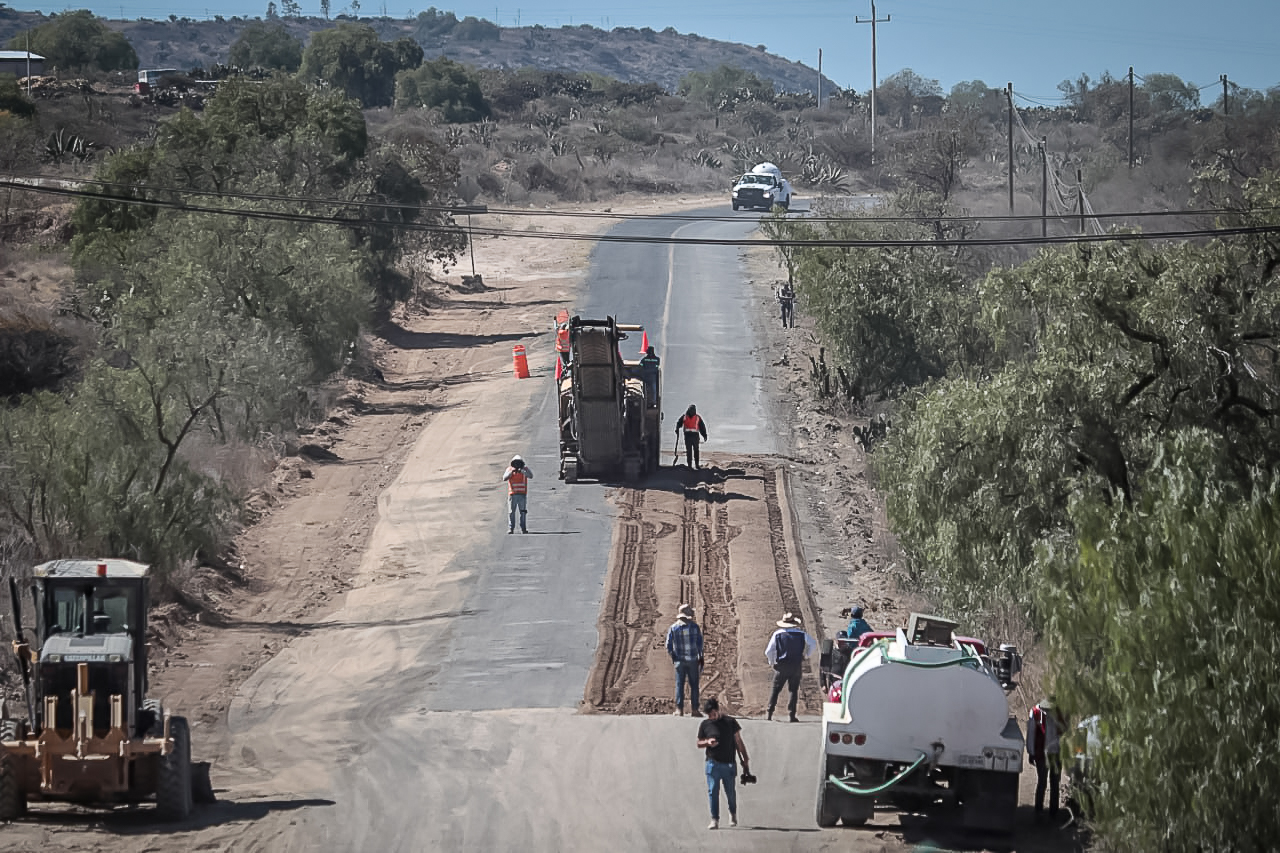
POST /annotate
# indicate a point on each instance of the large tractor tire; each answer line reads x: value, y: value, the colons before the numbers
x: 13, y: 797
x: 173, y: 782
x: 10, y: 729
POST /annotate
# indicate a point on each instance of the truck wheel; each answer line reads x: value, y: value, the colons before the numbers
x: 173, y: 782
x: 735, y: 205
x: 829, y: 797
x: 13, y: 798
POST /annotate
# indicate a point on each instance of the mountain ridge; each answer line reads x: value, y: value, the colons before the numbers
x: 626, y: 53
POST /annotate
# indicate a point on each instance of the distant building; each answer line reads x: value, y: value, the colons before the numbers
x: 152, y: 76
x: 20, y: 63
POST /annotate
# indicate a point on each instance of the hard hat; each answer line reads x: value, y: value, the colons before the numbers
x: 516, y: 458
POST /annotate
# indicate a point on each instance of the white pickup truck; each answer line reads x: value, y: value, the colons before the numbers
x: 922, y: 722
x: 762, y: 188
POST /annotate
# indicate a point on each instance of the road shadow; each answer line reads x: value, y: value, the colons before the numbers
x: 403, y: 338
x: 680, y: 479
x: 141, y: 819
x: 298, y: 629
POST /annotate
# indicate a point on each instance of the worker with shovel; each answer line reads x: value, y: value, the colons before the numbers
x: 694, y: 429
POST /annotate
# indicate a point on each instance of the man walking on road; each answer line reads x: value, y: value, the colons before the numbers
x: 684, y: 645
x: 787, y: 649
x: 721, y: 736
x: 693, y: 427
x: 787, y: 299
x: 517, y: 477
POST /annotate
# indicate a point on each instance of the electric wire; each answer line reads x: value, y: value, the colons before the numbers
x: 45, y: 183
x: 285, y: 216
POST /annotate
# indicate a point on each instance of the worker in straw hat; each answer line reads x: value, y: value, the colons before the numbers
x: 684, y: 645
x: 787, y: 649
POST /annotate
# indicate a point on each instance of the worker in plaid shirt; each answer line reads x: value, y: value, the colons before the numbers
x: 684, y: 644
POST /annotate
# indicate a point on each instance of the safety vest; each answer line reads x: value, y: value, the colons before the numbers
x: 518, y: 483
x: 691, y: 423
x: 562, y: 340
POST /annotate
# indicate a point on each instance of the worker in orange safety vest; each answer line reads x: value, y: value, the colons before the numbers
x: 562, y: 347
x: 694, y: 428
x: 517, y: 477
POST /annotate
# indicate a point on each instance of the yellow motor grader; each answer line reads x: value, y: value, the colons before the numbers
x: 91, y: 735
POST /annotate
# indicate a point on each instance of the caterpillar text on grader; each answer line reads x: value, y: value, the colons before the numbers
x: 610, y: 409
x: 91, y: 736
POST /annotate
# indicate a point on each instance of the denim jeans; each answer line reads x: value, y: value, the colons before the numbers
x: 718, y: 773
x: 517, y: 503
x: 687, y: 669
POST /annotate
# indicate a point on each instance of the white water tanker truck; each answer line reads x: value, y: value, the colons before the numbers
x: 922, y: 724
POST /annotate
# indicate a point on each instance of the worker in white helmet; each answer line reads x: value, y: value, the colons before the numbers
x: 517, y: 477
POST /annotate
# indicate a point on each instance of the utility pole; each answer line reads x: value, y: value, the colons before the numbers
x: 1080, y: 193
x: 1130, y: 116
x: 1225, y: 108
x: 1009, y: 93
x: 1044, y: 188
x: 819, y: 78
x: 873, y: 20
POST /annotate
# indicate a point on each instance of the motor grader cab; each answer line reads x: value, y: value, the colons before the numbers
x: 610, y: 409
x: 90, y: 735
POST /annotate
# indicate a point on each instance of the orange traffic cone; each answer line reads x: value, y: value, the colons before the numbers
x: 521, y: 363
x: 644, y: 344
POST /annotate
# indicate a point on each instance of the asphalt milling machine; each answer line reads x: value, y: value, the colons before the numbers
x: 610, y: 409
x: 91, y: 735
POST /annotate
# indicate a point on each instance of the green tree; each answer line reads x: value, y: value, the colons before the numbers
x: 445, y: 85
x: 77, y: 42
x: 976, y: 98
x: 265, y: 45
x: 722, y: 89
x: 1168, y: 93
x: 1164, y: 622
x: 905, y: 95
x: 12, y: 101
x: 476, y: 29
x: 353, y: 59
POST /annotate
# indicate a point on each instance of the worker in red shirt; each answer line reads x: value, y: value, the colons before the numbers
x: 517, y: 477
x: 1044, y: 732
x: 695, y: 430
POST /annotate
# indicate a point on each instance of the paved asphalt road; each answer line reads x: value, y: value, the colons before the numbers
x: 438, y: 710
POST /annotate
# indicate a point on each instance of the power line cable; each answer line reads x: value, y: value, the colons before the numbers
x: 285, y: 216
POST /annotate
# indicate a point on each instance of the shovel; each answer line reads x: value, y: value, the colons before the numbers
x: 675, y: 451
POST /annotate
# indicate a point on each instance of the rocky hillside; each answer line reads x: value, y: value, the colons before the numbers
x: 625, y: 53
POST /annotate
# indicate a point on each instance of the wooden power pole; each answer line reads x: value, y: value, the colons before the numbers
x: 873, y: 20
x: 1009, y: 94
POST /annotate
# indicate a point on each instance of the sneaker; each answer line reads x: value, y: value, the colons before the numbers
x: 769, y: 716
x: 794, y: 718
x: 715, y: 824
x: 733, y: 820
x: 510, y: 531
x: 678, y: 712
x: 524, y: 530
x: 695, y: 713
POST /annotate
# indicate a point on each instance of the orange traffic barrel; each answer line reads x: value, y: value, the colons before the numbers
x: 521, y: 363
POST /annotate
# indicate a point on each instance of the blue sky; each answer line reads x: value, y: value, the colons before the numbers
x: 1034, y: 44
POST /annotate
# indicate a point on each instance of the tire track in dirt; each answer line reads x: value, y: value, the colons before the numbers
x: 730, y: 533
